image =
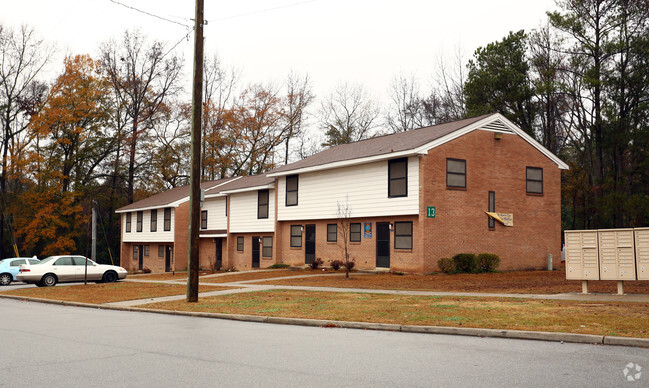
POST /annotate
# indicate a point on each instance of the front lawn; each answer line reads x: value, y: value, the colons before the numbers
x: 616, y: 319
x: 107, y: 292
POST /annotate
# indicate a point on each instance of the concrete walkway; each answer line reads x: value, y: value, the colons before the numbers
x: 248, y: 286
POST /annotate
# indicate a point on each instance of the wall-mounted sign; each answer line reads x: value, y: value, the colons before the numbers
x: 506, y: 219
x: 430, y: 212
x: 367, y: 229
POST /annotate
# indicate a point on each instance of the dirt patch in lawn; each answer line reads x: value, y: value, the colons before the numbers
x: 525, y: 282
x: 108, y: 292
x: 253, y: 275
x: 617, y: 319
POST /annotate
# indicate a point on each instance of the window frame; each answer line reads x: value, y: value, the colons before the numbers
x: 263, y: 194
x: 147, y: 250
x: 136, y: 252
x: 265, y: 247
x: 392, y: 180
x: 491, y: 206
x: 335, y: 233
x: 528, y: 180
x: 352, y: 232
x: 167, y: 219
x: 203, y: 219
x: 154, y: 220
x: 139, y: 220
x: 396, y: 234
x: 296, y: 190
x: 456, y: 173
x: 161, y: 251
x: 297, y: 228
x: 240, y: 243
x: 128, y: 223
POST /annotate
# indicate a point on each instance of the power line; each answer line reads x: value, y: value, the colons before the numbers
x: 264, y: 10
x: 149, y: 13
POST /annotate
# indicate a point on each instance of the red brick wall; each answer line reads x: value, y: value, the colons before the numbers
x: 363, y: 252
x: 461, y: 223
x: 152, y: 262
x: 243, y: 260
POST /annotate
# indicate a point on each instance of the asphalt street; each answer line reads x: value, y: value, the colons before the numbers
x: 72, y: 346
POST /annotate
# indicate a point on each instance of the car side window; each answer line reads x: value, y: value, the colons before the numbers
x: 16, y: 263
x: 64, y: 261
x: 80, y: 261
x: 33, y: 261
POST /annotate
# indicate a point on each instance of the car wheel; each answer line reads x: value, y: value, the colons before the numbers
x: 48, y: 280
x: 110, y: 276
x: 39, y: 284
x: 5, y: 279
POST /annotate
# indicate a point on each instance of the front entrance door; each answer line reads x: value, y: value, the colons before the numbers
x: 167, y: 258
x: 383, y: 244
x: 140, y: 256
x: 255, y: 252
x: 219, y: 253
x: 309, y: 244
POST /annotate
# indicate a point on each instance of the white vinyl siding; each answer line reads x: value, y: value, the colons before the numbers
x: 366, y: 186
x: 216, y: 218
x: 146, y: 235
x: 243, y: 213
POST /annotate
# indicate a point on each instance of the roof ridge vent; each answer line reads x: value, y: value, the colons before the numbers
x: 498, y: 126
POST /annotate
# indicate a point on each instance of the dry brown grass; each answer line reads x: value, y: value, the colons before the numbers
x: 108, y: 292
x: 165, y: 276
x: 525, y: 282
x: 618, y: 319
x: 253, y: 275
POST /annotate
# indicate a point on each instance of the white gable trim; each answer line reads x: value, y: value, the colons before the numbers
x: 486, y: 124
x: 254, y: 188
x: 174, y: 203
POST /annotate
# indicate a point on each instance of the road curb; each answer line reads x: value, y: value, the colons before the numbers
x: 444, y: 330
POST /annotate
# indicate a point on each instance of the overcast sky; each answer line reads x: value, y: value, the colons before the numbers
x: 333, y: 41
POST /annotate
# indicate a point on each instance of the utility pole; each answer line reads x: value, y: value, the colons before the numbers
x: 195, y: 176
x: 93, y: 249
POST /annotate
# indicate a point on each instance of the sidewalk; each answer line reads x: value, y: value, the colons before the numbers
x: 248, y: 286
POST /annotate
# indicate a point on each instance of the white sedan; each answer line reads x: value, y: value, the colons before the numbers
x: 59, y: 269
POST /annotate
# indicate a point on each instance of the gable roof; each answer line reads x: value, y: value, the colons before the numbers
x: 418, y: 141
x: 169, y: 198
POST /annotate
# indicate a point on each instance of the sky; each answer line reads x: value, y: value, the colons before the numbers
x: 333, y: 41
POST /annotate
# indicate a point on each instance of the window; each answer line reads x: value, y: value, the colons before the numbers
x: 16, y: 263
x: 64, y: 261
x: 154, y: 220
x: 203, y: 219
x: 534, y: 180
x: 332, y: 232
x: 128, y: 222
x: 262, y: 204
x: 81, y: 261
x: 167, y: 221
x: 455, y: 172
x: 146, y: 250
x: 240, y: 244
x: 296, y: 236
x: 226, y: 206
x: 136, y: 252
x: 138, y: 225
x: 398, y: 178
x: 492, y: 208
x: 355, y: 232
x: 267, y: 247
x: 161, y: 250
x: 291, y: 190
x: 403, y: 235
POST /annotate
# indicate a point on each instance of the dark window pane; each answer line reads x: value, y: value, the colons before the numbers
x: 291, y: 190
x: 403, y: 235
x: 240, y: 244
x: 454, y: 180
x: 534, y: 173
x: 154, y: 220
x: 398, y: 188
x: 403, y: 242
x: 535, y: 187
x: 355, y: 232
x: 203, y: 219
x: 332, y: 232
x: 296, y: 236
x: 267, y: 248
